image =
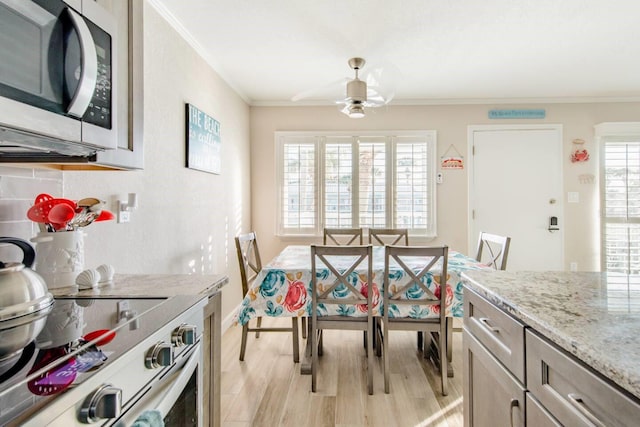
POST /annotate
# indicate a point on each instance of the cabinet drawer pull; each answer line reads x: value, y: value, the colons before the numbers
x: 579, y: 404
x: 485, y: 322
x: 513, y: 404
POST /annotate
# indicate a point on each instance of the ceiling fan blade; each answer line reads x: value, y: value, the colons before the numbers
x: 331, y: 90
x: 381, y: 80
x: 375, y: 98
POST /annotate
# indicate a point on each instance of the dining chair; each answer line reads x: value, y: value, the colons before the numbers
x: 389, y: 236
x: 382, y: 237
x: 424, y: 300
x: 336, y: 284
x: 342, y: 236
x: 493, y: 250
x: 250, y: 266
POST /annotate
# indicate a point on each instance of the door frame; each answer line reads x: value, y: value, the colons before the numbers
x: 472, y: 240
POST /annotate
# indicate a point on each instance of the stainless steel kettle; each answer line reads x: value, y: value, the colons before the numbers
x: 24, y: 300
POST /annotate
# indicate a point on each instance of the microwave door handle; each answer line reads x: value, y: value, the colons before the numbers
x: 89, y: 72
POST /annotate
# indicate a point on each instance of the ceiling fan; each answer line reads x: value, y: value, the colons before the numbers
x: 360, y: 93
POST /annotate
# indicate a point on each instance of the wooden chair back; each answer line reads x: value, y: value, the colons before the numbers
x: 250, y: 266
x: 341, y: 276
x: 418, y: 281
x: 249, y: 259
x: 413, y: 290
x: 389, y: 236
x: 342, y: 236
x: 493, y: 250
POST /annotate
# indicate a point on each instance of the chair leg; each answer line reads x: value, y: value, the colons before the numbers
x: 304, y: 328
x: 296, y: 345
x: 378, y: 334
x: 259, y: 324
x: 314, y: 355
x: 320, y: 342
x: 243, y: 341
x: 420, y: 339
x: 449, y: 339
x: 443, y: 358
x: 370, y: 332
x: 385, y: 356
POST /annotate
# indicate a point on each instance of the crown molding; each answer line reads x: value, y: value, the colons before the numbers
x: 191, y: 41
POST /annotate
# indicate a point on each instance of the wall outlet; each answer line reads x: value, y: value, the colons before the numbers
x: 573, y: 266
x: 573, y: 197
x: 124, y: 216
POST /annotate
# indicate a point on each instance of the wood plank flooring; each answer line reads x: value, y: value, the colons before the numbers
x: 268, y: 390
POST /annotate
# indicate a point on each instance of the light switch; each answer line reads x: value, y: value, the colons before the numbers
x: 573, y: 197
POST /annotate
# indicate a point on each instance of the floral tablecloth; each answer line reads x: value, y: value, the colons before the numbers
x: 283, y: 287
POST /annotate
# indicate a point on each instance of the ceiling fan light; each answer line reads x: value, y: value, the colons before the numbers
x: 356, y: 111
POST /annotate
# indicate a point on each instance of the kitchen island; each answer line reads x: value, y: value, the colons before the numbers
x: 166, y: 286
x: 590, y: 319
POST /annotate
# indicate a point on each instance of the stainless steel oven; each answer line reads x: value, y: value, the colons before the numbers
x: 57, y: 76
x: 110, y: 362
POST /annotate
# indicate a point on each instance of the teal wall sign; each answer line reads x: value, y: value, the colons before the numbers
x: 517, y: 114
x: 203, y: 141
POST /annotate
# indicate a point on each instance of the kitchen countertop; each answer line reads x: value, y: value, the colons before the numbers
x: 150, y: 285
x: 594, y: 316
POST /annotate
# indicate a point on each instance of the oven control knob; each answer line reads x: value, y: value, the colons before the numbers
x: 184, y: 335
x: 159, y: 355
x: 104, y: 402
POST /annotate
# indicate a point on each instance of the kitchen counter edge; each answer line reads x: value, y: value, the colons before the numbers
x: 554, y: 304
x: 149, y: 286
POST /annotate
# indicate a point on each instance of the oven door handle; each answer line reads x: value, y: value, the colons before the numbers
x: 165, y: 405
x: 164, y: 394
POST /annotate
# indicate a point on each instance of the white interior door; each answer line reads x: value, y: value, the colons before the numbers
x: 515, y: 188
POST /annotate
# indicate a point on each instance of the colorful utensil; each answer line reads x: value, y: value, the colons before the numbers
x: 105, y: 335
x: 60, y: 215
x: 55, y: 379
x: 105, y: 215
x: 40, y: 211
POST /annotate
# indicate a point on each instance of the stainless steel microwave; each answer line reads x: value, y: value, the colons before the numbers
x: 57, y: 77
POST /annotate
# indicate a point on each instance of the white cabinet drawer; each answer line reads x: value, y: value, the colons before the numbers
x: 572, y: 393
x: 500, y: 333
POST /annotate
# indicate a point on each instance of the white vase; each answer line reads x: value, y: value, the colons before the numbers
x: 59, y: 257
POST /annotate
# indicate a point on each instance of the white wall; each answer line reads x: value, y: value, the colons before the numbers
x: 451, y: 122
x: 186, y: 219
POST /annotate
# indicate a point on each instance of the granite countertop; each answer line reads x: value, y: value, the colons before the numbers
x: 594, y: 316
x: 150, y: 286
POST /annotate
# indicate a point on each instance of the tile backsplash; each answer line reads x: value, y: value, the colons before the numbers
x: 18, y: 188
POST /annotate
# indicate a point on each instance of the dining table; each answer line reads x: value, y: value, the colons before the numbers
x: 282, y: 288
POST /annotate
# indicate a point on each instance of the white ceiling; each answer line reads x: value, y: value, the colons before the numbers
x: 433, y: 51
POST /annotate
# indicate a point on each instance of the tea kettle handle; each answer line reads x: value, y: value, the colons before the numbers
x: 27, y: 249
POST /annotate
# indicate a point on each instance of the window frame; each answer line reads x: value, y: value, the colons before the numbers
x: 320, y: 139
x: 612, y: 133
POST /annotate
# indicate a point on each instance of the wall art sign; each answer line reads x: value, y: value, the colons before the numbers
x: 203, y: 141
x: 452, y: 159
x: 579, y: 153
x: 517, y: 114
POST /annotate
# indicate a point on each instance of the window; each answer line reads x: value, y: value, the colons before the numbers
x: 620, y: 197
x: 337, y: 180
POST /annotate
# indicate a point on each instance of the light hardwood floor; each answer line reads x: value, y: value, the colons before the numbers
x: 268, y: 390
